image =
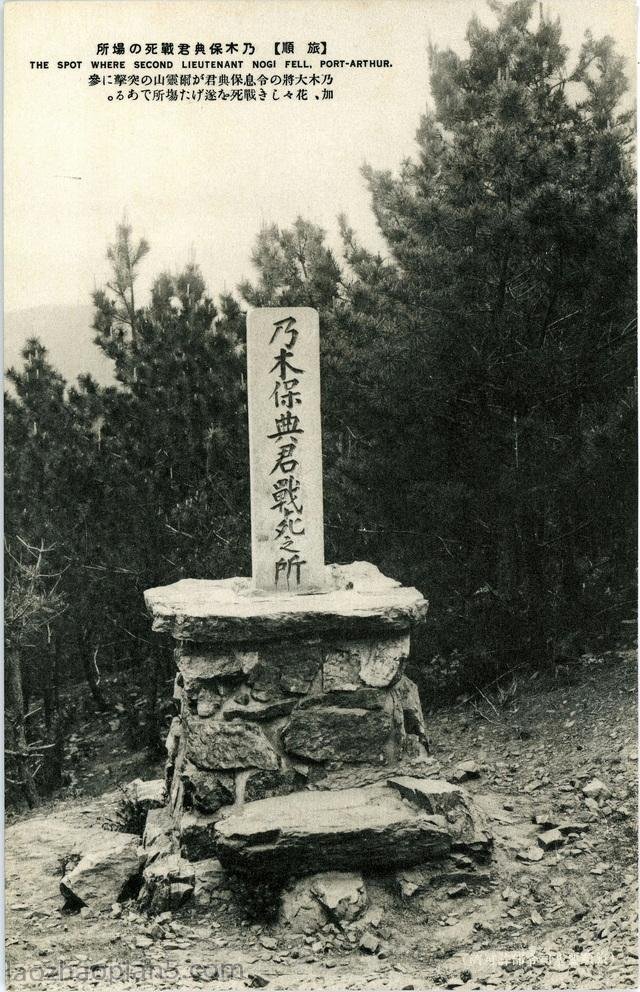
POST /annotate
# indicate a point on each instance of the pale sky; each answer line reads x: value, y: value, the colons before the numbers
x: 200, y: 179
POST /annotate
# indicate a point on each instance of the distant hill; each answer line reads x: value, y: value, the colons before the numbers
x: 66, y: 333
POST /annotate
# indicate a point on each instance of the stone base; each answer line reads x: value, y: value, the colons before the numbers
x: 279, y: 694
x: 374, y: 828
x: 317, y: 848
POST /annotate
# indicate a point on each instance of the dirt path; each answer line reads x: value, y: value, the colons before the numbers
x: 567, y: 920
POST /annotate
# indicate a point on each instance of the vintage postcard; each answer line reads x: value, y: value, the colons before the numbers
x: 320, y: 494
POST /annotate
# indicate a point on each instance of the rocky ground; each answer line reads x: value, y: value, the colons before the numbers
x: 560, y: 912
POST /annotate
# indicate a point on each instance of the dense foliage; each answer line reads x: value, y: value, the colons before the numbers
x: 478, y: 393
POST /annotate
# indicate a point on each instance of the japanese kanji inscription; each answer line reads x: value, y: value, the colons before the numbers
x: 283, y: 379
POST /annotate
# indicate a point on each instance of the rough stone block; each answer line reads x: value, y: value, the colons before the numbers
x: 341, y: 667
x: 382, y: 661
x: 434, y: 795
x: 299, y: 908
x: 330, y: 897
x: 409, y: 698
x: 200, y: 668
x: 167, y: 883
x: 258, y: 711
x: 465, y: 822
x: 280, y: 782
x: 208, y: 702
x: 376, y: 662
x: 209, y: 879
x: 370, y: 827
x: 146, y: 795
x: 173, y: 738
x: 364, y: 699
x: 102, y: 874
x: 336, y: 734
x: 218, y: 745
x: 197, y: 835
x: 176, y: 793
x: 286, y: 666
x: 207, y: 790
x: 342, y: 894
x: 159, y: 838
x: 351, y: 776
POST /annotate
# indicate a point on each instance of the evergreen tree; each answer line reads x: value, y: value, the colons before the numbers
x: 174, y: 476
x: 502, y: 337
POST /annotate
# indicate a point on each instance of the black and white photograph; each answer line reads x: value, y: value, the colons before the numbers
x: 320, y: 495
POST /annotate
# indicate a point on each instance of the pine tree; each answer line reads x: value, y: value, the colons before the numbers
x: 502, y: 334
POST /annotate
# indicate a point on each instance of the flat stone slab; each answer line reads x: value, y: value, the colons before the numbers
x: 359, y: 598
x: 372, y: 827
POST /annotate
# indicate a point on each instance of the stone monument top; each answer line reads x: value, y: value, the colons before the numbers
x: 285, y: 447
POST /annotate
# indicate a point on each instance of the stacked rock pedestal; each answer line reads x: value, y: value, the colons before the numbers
x: 278, y: 694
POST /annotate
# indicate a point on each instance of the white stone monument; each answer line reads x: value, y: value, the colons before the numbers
x: 281, y: 692
x: 285, y: 447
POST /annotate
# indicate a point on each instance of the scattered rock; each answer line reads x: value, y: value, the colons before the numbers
x: 269, y: 942
x: 600, y: 869
x: 341, y: 894
x: 168, y: 883
x: 300, y: 909
x: 530, y: 854
x: 595, y: 788
x: 373, y: 917
x: 208, y: 879
x: 146, y: 795
x: 434, y: 795
x: 464, y: 771
x: 577, y: 909
x: 409, y: 883
x: 256, y: 982
x: 569, y: 827
x: 458, y: 891
x: 102, y: 874
x: 546, y: 820
x: 550, y: 839
x: 369, y: 943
